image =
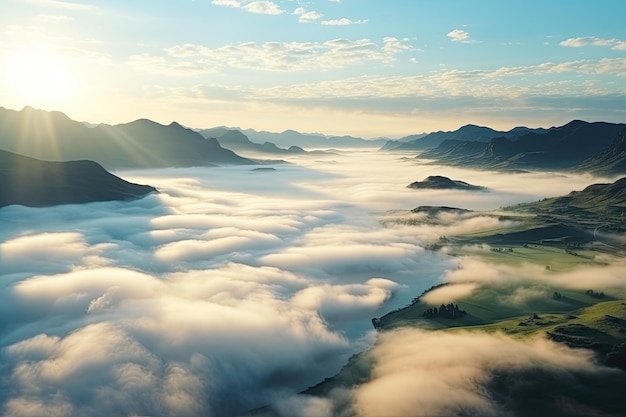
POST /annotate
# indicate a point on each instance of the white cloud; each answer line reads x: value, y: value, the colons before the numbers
x: 263, y: 7
x: 188, y: 59
x: 222, y: 293
x: 227, y: 3
x: 458, y: 35
x: 595, y: 41
x: 258, y: 7
x: 343, y: 22
x: 305, y: 16
x: 449, y: 373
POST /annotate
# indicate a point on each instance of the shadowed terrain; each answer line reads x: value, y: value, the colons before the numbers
x: 31, y: 182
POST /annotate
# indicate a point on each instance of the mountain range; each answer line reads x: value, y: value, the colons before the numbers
x: 596, y: 147
x: 236, y: 141
x: 465, y: 133
x: 35, y: 183
x: 143, y: 143
x: 290, y: 138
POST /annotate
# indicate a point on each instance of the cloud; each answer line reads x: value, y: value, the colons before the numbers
x: 305, y: 16
x: 190, y: 59
x: 257, y: 7
x: 224, y: 292
x: 220, y: 294
x: 263, y: 7
x: 227, y: 3
x: 343, y: 22
x: 452, y: 373
x: 458, y: 35
x: 613, y: 43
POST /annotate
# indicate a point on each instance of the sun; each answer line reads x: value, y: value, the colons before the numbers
x: 39, y: 79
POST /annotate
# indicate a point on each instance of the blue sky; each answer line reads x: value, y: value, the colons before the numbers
x: 361, y: 67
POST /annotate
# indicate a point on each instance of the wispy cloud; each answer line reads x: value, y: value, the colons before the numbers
x: 458, y: 35
x: 60, y: 4
x: 595, y: 41
x: 258, y: 7
x: 227, y: 3
x: 343, y: 22
x: 272, y: 56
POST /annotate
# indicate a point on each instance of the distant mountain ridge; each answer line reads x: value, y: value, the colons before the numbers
x: 289, y: 138
x: 236, y: 141
x: 467, y: 133
x: 35, y: 183
x: 143, y: 143
x: 580, y: 145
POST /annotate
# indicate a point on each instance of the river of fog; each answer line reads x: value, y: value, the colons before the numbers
x: 231, y: 288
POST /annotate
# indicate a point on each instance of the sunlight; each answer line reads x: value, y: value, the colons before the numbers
x: 39, y: 79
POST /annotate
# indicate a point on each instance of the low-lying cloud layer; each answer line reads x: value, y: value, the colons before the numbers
x: 228, y: 290
x: 452, y: 374
x: 434, y: 373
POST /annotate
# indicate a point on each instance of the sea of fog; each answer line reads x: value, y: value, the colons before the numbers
x: 231, y: 288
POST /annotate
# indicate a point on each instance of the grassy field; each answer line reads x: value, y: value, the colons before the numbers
x: 555, y: 257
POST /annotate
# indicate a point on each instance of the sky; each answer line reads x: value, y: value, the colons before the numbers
x: 360, y: 67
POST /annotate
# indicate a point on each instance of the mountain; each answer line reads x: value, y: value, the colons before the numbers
x: 438, y: 182
x: 611, y: 160
x: 140, y: 144
x: 290, y: 138
x: 560, y: 147
x: 571, y: 146
x: 238, y: 142
x: 35, y: 183
x: 596, y: 200
x: 467, y: 133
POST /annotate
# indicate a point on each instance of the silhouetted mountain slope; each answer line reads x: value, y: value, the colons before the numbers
x: 139, y: 144
x: 31, y: 182
x: 455, y: 151
x: 438, y: 182
x: 290, y: 138
x: 467, y: 133
x: 596, y: 200
x: 610, y: 161
x: 559, y: 147
x: 566, y: 147
x: 238, y: 142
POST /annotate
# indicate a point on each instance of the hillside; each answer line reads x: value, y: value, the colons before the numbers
x: 290, y: 138
x: 34, y: 183
x: 611, y: 160
x: 600, y: 201
x: 578, y: 145
x: 238, y: 142
x: 467, y: 133
x: 140, y: 144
